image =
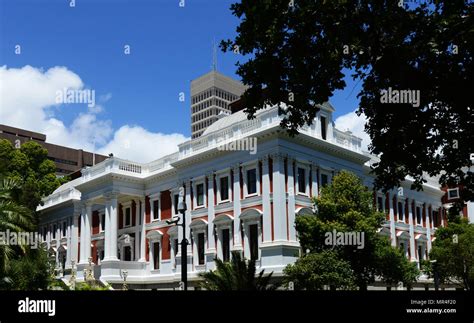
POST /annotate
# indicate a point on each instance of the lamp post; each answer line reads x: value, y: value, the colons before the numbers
x: 184, y: 241
x: 124, y: 274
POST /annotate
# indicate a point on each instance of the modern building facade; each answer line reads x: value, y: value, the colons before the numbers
x: 115, y: 214
x: 67, y: 160
x: 211, y: 95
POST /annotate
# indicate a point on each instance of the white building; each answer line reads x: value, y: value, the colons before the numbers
x: 116, y: 212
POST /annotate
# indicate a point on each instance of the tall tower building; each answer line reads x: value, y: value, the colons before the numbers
x: 211, y: 95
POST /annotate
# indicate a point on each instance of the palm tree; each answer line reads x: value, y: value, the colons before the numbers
x: 235, y: 275
x: 13, y: 217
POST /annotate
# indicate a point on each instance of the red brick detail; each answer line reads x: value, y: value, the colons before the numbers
x: 147, y: 210
x: 165, y: 204
x: 95, y: 222
x: 120, y: 216
x: 165, y: 245
x: 270, y: 171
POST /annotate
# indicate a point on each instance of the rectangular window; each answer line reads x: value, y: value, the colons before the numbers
x: 156, y: 255
x: 380, y: 207
x: 301, y: 180
x: 435, y: 219
x: 420, y: 253
x: 418, y: 215
x: 128, y: 217
x: 252, y: 181
x: 224, y: 188
x: 400, y: 211
x: 226, y: 245
x: 102, y: 222
x: 64, y: 229
x: 324, y: 179
x: 453, y: 193
x: 156, y: 210
x: 55, y: 227
x: 200, y: 194
x: 253, y: 241
x: 200, y: 246
x: 323, y: 128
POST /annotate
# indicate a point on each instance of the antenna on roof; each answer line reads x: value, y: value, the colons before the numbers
x: 214, y: 55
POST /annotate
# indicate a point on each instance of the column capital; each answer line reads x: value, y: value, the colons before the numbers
x: 278, y: 156
x: 265, y: 159
x: 111, y: 195
x: 236, y: 167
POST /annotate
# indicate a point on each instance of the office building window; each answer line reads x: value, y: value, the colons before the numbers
x: 252, y: 181
x: 156, y: 210
x: 224, y: 188
x: 200, y: 194
x: 200, y: 246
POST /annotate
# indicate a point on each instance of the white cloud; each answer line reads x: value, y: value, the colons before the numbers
x: 138, y: 144
x: 352, y: 122
x: 28, y: 100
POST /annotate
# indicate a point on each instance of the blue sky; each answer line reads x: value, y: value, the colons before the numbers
x: 170, y: 45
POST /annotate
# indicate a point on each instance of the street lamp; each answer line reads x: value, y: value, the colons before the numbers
x: 124, y: 274
x: 184, y: 241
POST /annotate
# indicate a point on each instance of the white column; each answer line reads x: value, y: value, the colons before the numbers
x: 75, y: 236
x: 210, y: 213
x: 412, y: 231
x: 68, y: 241
x: 428, y: 227
x: 113, y: 227
x: 266, y: 206
x: 393, y: 236
x: 279, y: 199
x: 291, y: 200
x: 88, y: 222
x: 110, y: 235
x: 188, y: 220
x: 143, y: 230
x: 237, y: 208
x: 48, y: 235
x: 137, y: 230
x: 83, y: 259
x: 314, y: 179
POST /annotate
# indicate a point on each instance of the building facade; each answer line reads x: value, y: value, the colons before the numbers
x: 115, y: 214
x: 67, y: 160
x: 211, y: 95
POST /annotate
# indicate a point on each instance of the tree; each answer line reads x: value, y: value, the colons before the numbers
x: 346, y: 206
x: 453, y: 251
x: 14, y: 218
x: 313, y: 271
x: 31, y: 168
x: 238, y: 274
x: 297, y: 52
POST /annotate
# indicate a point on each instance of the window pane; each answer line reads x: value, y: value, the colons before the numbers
x: 224, y: 189
x: 201, y: 248
x: 400, y: 210
x: 127, y: 216
x: 156, y: 209
x: 324, y: 179
x: 252, y: 181
x: 301, y: 180
x: 156, y: 255
x: 253, y: 237
x: 323, y: 128
x: 200, y: 194
x: 226, y: 245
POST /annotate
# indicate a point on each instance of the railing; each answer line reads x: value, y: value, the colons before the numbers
x: 60, y: 197
x: 347, y: 139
